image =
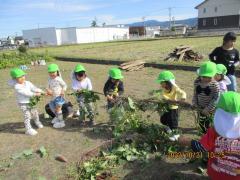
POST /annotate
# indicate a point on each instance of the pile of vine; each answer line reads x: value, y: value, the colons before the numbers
x: 135, y: 139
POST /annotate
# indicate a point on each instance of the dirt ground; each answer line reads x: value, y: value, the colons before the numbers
x: 74, y: 140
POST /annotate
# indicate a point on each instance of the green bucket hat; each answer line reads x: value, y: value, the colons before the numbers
x: 16, y: 73
x: 79, y: 68
x: 230, y: 102
x: 227, y: 115
x: 165, y: 76
x: 221, y: 69
x: 115, y: 73
x: 207, y: 69
x: 53, y: 68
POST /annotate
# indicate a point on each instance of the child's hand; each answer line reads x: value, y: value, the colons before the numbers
x: 38, y: 94
x: 49, y: 92
x: 110, y: 98
x: 184, y: 141
x: 205, y: 112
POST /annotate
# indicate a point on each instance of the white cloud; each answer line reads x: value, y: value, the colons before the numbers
x: 62, y: 6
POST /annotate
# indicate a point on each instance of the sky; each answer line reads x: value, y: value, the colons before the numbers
x: 18, y: 15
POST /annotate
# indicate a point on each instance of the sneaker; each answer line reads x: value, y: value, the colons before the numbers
x: 174, y: 137
x: 31, y: 132
x: 60, y: 124
x: 77, y: 113
x: 168, y: 130
x: 54, y: 120
x: 177, y: 136
x: 38, y: 124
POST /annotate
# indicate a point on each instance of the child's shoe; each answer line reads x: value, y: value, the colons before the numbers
x: 59, y: 124
x: 54, y: 120
x: 38, y: 124
x: 174, y: 137
x: 168, y: 130
x: 31, y: 132
x: 77, y: 113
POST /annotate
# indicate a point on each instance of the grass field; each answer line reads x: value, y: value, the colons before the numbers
x: 73, y: 140
x: 150, y: 51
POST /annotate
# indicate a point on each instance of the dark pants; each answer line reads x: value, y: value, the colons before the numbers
x: 67, y: 108
x: 170, y: 119
x: 110, y: 104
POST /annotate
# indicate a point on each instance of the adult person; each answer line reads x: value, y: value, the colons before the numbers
x: 228, y: 56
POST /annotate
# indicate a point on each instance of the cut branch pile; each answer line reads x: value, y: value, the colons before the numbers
x: 132, y: 65
x: 183, y: 53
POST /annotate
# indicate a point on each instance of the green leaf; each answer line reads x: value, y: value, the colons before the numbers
x: 10, y: 164
x: 172, y: 149
x: 17, y: 156
x: 27, y: 152
x: 121, y: 149
x: 43, y: 151
x: 104, y: 164
x: 131, y: 103
x: 92, y: 177
x: 200, y: 170
x: 86, y: 164
x: 131, y: 158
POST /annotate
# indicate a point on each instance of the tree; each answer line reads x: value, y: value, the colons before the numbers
x: 22, y: 49
x: 104, y: 24
x: 94, y: 22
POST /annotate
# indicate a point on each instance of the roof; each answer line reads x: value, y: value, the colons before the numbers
x: 201, y: 4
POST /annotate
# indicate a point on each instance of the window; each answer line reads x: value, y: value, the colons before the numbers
x: 204, y: 10
x: 215, y: 21
x: 215, y: 9
x: 204, y: 22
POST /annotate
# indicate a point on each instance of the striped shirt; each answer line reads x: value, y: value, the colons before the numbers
x: 206, y: 96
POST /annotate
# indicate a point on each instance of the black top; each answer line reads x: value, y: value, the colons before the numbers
x: 109, y: 87
x: 225, y: 57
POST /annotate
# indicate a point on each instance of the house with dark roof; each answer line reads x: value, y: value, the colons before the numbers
x: 218, y: 14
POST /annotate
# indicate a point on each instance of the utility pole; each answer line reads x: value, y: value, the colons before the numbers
x: 170, y: 17
x: 144, y: 31
x: 173, y: 19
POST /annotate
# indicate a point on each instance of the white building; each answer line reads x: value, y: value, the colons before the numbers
x: 60, y: 36
x: 152, y: 31
x: 218, y: 14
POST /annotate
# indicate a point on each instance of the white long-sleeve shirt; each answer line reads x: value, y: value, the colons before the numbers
x: 25, y: 91
x: 56, y: 85
x: 80, y: 85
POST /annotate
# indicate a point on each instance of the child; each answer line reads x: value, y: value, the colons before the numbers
x: 24, y: 91
x: 221, y: 78
x: 113, y: 87
x: 171, y: 93
x: 222, y: 142
x: 80, y: 81
x: 228, y: 56
x: 56, y: 89
x: 206, y: 94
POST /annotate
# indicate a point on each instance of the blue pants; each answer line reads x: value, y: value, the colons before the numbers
x: 58, y: 101
x: 233, y: 85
